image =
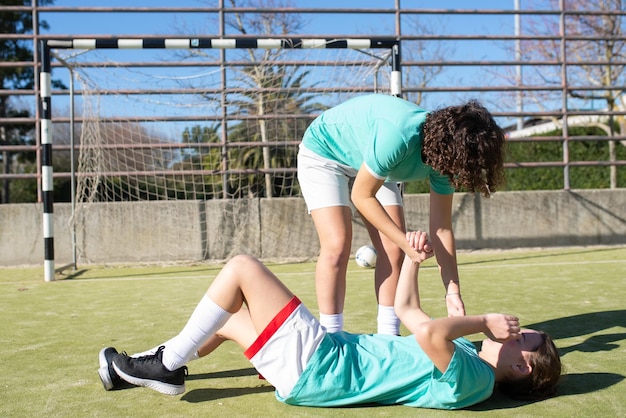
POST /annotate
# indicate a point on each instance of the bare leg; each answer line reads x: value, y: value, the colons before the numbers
x: 388, y: 263
x: 243, y: 279
x: 334, y: 228
x: 389, y: 259
x: 246, y: 278
x: 210, y: 346
x: 239, y: 329
x: 240, y: 275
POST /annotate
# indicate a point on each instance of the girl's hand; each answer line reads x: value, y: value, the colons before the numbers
x: 501, y: 327
x: 418, y: 240
x: 455, y: 304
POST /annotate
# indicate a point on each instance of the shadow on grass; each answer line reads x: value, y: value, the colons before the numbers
x: 568, y: 327
x: 212, y: 394
x: 585, y: 324
x: 74, y: 274
x: 571, y: 384
x: 250, y: 371
x: 579, y: 383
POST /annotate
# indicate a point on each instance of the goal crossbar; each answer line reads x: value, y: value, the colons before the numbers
x: 85, y: 43
x: 223, y: 43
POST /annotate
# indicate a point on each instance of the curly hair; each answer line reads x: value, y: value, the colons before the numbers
x: 546, y: 372
x: 467, y: 145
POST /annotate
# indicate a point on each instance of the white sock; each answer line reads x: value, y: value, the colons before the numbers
x: 153, y: 350
x: 332, y: 323
x: 206, y: 320
x: 388, y: 322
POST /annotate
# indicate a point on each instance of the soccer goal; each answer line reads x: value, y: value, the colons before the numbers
x: 180, y: 139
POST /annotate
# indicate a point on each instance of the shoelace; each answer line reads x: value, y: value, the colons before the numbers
x: 157, y: 357
x: 151, y: 358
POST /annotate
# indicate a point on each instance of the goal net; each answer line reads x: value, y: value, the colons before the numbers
x: 174, y: 151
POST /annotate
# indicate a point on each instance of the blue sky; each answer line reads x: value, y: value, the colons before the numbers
x: 161, y: 23
x: 120, y: 24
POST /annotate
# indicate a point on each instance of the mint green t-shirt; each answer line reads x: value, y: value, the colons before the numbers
x: 350, y: 369
x: 384, y: 132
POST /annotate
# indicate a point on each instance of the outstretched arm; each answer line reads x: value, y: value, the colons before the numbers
x: 435, y: 336
x: 407, y: 301
x: 445, y: 250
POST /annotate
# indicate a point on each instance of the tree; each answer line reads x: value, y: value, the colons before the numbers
x: 286, y: 99
x: 593, y: 62
x: 196, y: 157
x: 267, y: 74
x: 272, y: 88
x: 420, y: 51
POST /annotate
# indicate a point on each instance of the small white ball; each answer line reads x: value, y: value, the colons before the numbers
x: 366, y: 256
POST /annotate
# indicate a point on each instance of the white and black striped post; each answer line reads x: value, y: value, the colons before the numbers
x: 221, y: 43
x: 47, y: 189
x: 396, y: 75
x: 170, y: 43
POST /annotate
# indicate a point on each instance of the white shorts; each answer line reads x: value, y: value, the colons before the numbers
x: 283, y: 349
x: 326, y: 183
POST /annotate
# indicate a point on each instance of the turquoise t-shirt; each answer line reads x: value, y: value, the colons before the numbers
x: 349, y: 369
x: 384, y: 132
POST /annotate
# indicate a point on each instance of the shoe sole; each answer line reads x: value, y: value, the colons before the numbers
x: 103, y: 371
x: 161, y: 387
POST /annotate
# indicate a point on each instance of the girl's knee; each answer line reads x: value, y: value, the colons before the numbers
x: 334, y: 258
x: 241, y: 261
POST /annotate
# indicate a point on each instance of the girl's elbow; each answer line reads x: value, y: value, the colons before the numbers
x: 425, y: 331
x: 358, y: 198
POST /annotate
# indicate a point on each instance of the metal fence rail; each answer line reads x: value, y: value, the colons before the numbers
x: 500, y: 79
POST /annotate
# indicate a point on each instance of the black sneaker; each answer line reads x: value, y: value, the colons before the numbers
x: 108, y: 376
x: 150, y: 372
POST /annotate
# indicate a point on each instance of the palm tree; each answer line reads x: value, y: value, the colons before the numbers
x: 280, y: 95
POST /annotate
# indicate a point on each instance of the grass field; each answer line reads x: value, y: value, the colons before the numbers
x: 51, y: 334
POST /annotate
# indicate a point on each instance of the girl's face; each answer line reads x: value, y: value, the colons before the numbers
x: 512, y: 352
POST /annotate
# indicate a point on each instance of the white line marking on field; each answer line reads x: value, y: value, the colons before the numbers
x: 488, y: 264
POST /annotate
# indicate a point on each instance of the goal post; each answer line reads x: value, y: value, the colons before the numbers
x: 129, y: 153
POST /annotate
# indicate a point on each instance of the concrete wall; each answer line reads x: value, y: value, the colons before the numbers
x: 281, y: 229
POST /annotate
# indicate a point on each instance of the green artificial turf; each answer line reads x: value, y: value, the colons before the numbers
x: 51, y: 334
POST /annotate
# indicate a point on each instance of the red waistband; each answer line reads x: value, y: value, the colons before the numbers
x: 272, y: 327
